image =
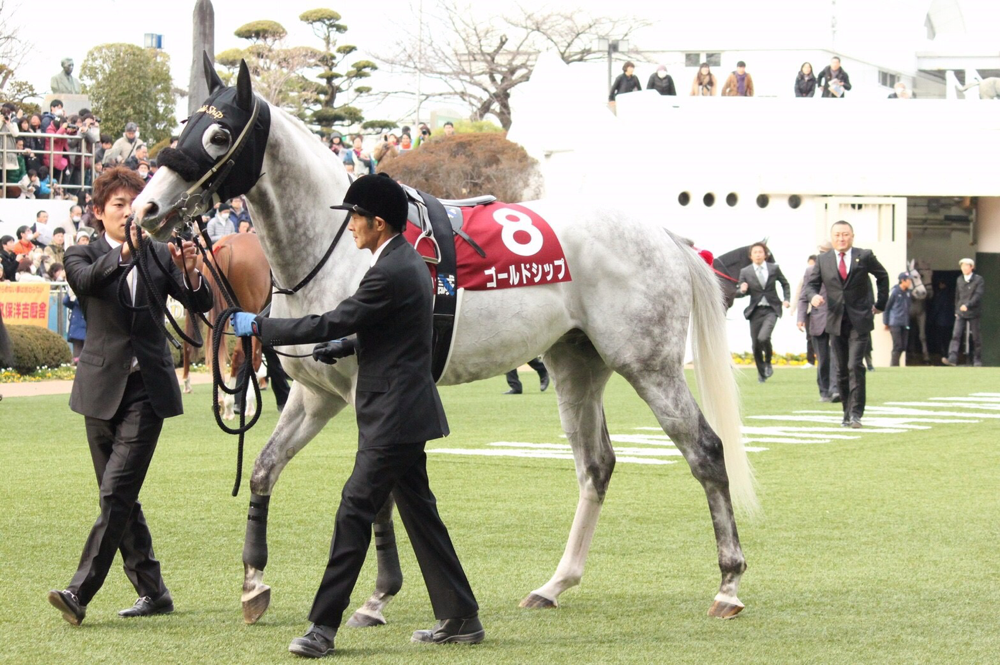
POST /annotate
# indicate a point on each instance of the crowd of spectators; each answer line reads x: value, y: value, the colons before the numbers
x: 359, y: 161
x: 832, y: 81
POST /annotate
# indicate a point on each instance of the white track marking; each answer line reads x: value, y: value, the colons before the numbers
x: 649, y: 445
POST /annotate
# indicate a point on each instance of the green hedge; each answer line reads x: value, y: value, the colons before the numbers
x: 36, y: 348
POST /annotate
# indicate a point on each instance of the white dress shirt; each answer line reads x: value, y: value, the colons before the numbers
x: 378, y: 251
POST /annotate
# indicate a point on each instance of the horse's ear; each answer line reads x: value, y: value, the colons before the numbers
x: 211, y: 76
x: 244, y: 88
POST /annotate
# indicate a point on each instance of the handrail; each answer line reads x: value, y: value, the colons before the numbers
x: 49, y: 150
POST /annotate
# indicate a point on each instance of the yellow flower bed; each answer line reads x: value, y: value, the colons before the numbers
x: 61, y: 373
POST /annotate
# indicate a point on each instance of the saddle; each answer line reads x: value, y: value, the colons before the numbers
x: 438, y: 222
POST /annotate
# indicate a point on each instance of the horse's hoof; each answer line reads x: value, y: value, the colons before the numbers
x: 254, y: 608
x: 187, y: 387
x: 536, y: 602
x: 722, y: 610
x: 361, y: 620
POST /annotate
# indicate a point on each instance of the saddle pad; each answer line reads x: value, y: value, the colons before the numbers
x: 521, y: 249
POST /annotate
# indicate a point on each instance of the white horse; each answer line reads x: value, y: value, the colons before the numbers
x: 635, y: 290
x: 923, y: 291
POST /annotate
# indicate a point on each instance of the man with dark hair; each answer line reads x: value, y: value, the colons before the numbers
x: 851, y: 309
x: 739, y: 83
x: 968, y: 309
x: 125, y: 386
x: 8, y: 259
x: 56, y: 249
x: 55, y: 111
x: 106, y: 143
x: 833, y: 80
x: 398, y: 410
x: 125, y: 147
x: 449, y: 128
x: 759, y: 281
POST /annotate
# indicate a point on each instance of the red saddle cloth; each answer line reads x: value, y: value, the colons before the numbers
x: 521, y: 248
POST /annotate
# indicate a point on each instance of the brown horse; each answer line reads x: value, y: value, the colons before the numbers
x: 240, y: 258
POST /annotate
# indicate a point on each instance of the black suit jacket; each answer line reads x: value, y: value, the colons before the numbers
x: 768, y: 292
x: 396, y: 400
x: 115, y: 335
x: 969, y: 294
x: 852, y: 297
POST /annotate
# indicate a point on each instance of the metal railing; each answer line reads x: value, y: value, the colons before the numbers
x: 82, y: 175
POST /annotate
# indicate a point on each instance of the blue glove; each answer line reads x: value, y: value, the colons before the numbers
x: 244, y: 324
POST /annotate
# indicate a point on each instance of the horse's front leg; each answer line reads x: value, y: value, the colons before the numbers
x: 304, y: 416
x: 389, y: 579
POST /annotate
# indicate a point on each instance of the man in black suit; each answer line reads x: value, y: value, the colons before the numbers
x: 125, y: 386
x: 758, y: 281
x: 968, y: 310
x: 851, y: 310
x: 398, y: 410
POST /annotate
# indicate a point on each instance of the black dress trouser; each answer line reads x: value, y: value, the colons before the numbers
x: 121, y: 449
x: 849, y: 349
x: 515, y: 383
x: 762, y: 321
x: 402, y: 470
x: 826, y: 378
x: 962, y: 328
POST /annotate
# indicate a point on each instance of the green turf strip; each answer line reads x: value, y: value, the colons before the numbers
x: 877, y: 549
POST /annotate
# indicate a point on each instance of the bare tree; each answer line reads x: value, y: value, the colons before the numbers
x: 13, y: 49
x: 488, y: 57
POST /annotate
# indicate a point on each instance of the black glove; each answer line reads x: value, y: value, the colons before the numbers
x: 329, y: 352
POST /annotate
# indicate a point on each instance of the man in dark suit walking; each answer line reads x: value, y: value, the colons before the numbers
x: 398, y: 410
x: 125, y: 386
x: 812, y: 321
x: 851, y: 310
x: 968, y: 310
x: 758, y: 280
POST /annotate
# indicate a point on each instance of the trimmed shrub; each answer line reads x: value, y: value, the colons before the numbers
x: 463, y: 165
x: 37, y: 348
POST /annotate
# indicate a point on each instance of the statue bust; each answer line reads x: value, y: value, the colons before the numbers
x: 64, y: 82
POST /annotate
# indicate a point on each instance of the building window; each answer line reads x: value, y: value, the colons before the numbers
x: 692, y: 59
x: 713, y: 59
x: 887, y: 79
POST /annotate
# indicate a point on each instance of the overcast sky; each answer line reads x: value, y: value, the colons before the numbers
x: 70, y: 29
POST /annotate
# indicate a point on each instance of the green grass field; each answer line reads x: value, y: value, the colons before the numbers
x: 876, y: 549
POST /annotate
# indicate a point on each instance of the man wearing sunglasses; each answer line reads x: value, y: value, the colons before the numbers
x: 398, y: 410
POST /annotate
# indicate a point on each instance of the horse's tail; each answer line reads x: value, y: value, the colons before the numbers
x: 714, y: 369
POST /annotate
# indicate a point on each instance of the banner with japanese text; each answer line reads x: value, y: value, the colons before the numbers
x: 25, y: 304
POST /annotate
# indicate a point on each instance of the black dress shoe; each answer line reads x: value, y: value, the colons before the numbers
x: 67, y: 603
x: 949, y: 362
x: 761, y: 378
x: 147, y: 607
x: 512, y: 392
x: 855, y: 424
x: 452, y: 631
x: 825, y: 398
x: 846, y: 422
x: 768, y: 370
x: 544, y: 383
x: 835, y: 398
x: 316, y: 643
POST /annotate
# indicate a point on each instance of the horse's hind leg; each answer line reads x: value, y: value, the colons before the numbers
x: 304, y: 416
x: 389, y: 579
x: 580, y: 375
x: 677, y: 412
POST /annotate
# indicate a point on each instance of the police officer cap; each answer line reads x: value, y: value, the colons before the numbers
x: 377, y: 196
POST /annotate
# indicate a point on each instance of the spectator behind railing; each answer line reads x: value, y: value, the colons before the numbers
x: 626, y: 82
x: 739, y: 83
x: 833, y: 80
x: 661, y: 82
x: 55, y: 111
x: 705, y: 83
x: 805, y: 82
x: 54, y: 156
x: 125, y: 147
x: 8, y: 259
x: 8, y: 144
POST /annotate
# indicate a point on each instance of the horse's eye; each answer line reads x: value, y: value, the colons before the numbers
x: 220, y: 139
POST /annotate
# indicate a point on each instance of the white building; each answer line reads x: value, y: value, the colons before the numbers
x: 916, y: 178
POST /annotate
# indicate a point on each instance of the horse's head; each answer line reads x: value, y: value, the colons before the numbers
x: 219, y: 155
x: 920, y: 290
